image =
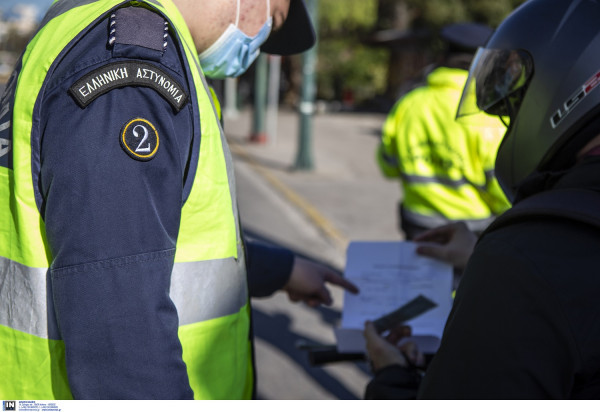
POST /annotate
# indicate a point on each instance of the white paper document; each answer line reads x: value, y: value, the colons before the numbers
x: 390, y: 274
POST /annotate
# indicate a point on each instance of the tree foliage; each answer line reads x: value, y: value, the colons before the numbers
x: 434, y: 14
x: 347, y: 61
x: 347, y: 15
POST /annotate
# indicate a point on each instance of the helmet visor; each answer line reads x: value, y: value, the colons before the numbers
x: 496, y: 83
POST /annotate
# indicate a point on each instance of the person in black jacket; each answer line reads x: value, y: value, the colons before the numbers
x: 526, y: 320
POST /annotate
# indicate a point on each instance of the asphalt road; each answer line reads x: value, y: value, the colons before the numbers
x: 315, y: 213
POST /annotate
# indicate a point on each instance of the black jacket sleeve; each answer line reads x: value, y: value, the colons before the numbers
x: 507, y: 336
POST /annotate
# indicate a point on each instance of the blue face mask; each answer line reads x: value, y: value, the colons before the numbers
x: 234, y: 51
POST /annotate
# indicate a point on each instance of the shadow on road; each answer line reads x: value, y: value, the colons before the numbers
x: 275, y: 329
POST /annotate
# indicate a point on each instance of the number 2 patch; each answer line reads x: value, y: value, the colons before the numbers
x: 139, y: 139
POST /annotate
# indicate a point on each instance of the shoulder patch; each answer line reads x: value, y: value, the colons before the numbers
x: 138, y: 26
x: 127, y: 73
x: 139, y: 139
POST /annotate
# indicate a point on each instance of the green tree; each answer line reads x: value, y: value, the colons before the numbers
x: 349, y: 61
x: 347, y: 66
x: 433, y: 14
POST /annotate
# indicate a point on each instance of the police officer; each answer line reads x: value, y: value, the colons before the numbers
x: 446, y: 167
x: 526, y: 320
x: 122, y: 266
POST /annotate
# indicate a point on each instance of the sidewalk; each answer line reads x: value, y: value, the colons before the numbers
x: 344, y: 196
x: 315, y: 213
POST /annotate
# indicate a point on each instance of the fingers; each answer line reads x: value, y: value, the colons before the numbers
x: 438, y: 234
x: 336, y: 279
x: 381, y: 353
x: 308, y: 282
x: 319, y: 297
x: 374, y: 341
x: 323, y: 296
x: 399, y: 332
x: 370, y: 331
x: 412, y: 353
x: 293, y: 297
x: 313, y: 303
x: 433, y: 251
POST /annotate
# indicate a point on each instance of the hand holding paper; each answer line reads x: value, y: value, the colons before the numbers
x: 390, y: 274
x: 386, y: 352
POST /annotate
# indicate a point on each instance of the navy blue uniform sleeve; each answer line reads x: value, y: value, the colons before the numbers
x: 112, y: 222
x: 269, y: 268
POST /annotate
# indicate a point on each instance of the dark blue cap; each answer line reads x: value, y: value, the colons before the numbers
x: 295, y: 35
x: 468, y: 36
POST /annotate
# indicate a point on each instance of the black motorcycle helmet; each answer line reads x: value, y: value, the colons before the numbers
x: 539, y: 71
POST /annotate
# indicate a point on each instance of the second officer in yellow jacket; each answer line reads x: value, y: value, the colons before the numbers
x: 446, y: 167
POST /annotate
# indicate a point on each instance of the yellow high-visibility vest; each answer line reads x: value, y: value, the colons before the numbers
x: 215, y: 332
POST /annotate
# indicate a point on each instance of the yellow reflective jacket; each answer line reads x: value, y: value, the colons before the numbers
x: 446, y: 166
x: 208, y: 280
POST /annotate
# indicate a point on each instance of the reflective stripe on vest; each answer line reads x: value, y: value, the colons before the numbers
x: 433, y: 221
x: 214, y: 319
x: 26, y: 312
x: 442, y: 180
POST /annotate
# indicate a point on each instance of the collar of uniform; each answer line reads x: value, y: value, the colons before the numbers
x: 448, y: 77
x: 585, y: 174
